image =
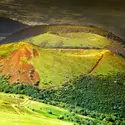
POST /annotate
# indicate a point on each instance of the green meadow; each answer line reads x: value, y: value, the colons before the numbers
x: 70, y: 40
x: 57, y: 66
x: 17, y: 111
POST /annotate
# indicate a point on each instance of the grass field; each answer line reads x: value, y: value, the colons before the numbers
x: 72, y: 40
x: 57, y: 66
x: 21, y: 110
x: 17, y: 111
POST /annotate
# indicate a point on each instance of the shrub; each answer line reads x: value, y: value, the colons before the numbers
x: 50, y: 112
x: 61, y: 117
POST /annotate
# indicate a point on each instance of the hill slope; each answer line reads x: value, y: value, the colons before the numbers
x: 14, y: 65
x: 17, y: 108
x: 28, y: 63
x: 76, y: 40
x: 68, y: 36
x: 70, y: 40
x: 58, y: 28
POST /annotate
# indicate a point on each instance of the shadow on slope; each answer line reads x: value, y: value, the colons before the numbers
x: 55, y: 29
x: 8, y: 26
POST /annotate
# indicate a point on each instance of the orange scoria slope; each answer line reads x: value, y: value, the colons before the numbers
x: 16, y: 67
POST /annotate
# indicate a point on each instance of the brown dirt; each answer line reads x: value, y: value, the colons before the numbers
x: 17, y: 67
x: 96, y: 65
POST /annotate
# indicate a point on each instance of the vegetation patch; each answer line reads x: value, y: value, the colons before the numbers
x: 88, y: 100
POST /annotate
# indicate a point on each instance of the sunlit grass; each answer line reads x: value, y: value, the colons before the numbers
x: 81, y: 39
x: 58, y: 66
x: 15, y: 110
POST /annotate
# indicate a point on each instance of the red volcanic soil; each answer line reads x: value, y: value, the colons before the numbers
x: 35, y: 52
x: 17, y: 68
x: 81, y: 50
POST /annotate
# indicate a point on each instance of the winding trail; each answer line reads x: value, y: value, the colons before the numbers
x: 16, y: 109
x: 96, y: 65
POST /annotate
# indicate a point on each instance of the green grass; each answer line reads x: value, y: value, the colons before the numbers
x: 14, y: 110
x: 110, y: 64
x: 57, y: 66
x: 72, y: 40
x: 7, y: 49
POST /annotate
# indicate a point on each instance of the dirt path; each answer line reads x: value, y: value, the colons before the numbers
x: 16, y: 109
x: 25, y: 102
x: 96, y: 65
